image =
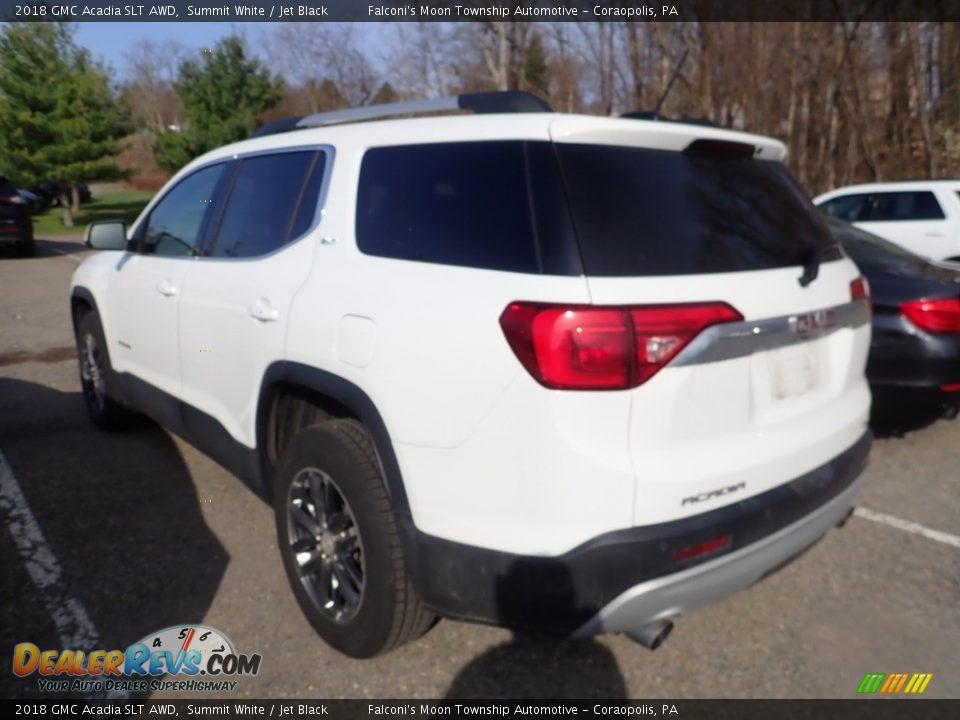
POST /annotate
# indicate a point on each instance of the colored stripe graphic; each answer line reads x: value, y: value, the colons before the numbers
x: 893, y: 683
x: 890, y: 682
x: 871, y: 682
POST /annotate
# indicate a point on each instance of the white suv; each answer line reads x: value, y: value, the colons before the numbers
x: 547, y: 371
x: 922, y: 216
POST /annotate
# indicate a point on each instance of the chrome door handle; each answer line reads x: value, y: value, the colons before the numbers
x: 167, y: 288
x: 264, y: 311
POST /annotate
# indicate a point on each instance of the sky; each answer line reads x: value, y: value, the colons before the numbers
x: 113, y: 42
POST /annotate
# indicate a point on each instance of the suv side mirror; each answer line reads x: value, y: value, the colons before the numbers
x: 106, y: 235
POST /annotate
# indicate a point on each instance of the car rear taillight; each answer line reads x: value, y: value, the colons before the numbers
x: 860, y: 289
x: 704, y: 548
x: 936, y: 315
x: 590, y: 347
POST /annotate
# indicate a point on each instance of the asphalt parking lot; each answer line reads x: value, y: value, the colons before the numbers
x: 107, y: 538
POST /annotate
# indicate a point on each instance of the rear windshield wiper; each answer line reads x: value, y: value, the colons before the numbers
x: 811, y: 265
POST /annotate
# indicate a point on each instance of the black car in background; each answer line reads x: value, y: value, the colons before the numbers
x: 16, y: 225
x: 915, y: 353
x: 51, y: 193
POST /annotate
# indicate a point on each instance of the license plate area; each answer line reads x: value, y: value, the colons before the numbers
x: 794, y: 371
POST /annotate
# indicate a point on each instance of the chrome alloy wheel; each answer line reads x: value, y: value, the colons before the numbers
x: 325, y: 543
x: 92, y: 373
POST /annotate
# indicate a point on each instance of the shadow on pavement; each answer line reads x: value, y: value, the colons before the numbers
x: 52, y: 246
x: 533, y: 665
x: 121, y: 515
x: 45, y: 248
x: 541, y: 666
x: 893, y: 415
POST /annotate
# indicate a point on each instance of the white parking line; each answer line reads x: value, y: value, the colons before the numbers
x: 74, y: 626
x: 907, y: 526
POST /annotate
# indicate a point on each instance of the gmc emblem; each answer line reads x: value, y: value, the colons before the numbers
x: 809, y: 323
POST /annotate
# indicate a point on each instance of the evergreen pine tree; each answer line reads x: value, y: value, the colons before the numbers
x: 59, y: 119
x: 223, y: 96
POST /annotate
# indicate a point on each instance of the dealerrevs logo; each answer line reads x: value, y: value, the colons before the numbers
x: 185, y: 652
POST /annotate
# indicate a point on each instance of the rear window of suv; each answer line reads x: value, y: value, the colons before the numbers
x: 653, y: 212
x: 571, y: 208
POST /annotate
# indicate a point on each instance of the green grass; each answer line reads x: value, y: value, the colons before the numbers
x: 118, y: 205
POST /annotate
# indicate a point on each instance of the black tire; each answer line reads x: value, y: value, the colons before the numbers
x: 382, y: 610
x: 97, y: 378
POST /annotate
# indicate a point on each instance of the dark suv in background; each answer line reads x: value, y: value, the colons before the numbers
x: 15, y: 223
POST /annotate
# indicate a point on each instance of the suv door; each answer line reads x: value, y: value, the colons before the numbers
x: 145, y: 294
x: 236, y: 298
x: 913, y: 219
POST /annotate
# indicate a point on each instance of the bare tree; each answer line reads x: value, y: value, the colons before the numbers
x: 152, y: 68
x: 313, y: 55
x: 424, y: 58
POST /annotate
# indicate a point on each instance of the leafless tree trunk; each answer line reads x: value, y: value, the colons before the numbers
x: 921, y: 93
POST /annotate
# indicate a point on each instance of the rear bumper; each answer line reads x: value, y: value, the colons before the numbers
x: 625, y: 578
x: 906, y: 358
x: 678, y: 594
x: 19, y: 234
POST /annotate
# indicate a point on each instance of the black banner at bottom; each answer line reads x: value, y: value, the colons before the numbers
x: 859, y: 709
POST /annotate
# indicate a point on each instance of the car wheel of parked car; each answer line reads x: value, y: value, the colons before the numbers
x: 340, y: 543
x: 95, y: 374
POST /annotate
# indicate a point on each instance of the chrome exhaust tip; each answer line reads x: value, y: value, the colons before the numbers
x: 652, y: 635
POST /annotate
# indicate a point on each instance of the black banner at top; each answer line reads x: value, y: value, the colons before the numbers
x: 643, y: 709
x: 481, y: 10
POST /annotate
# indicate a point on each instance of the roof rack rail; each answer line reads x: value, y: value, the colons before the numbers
x: 509, y: 101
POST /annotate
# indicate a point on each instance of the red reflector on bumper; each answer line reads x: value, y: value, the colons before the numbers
x: 720, y: 543
x: 951, y: 387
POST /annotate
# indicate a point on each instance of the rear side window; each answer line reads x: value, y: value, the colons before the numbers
x: 846, y: 207
x: 902, y: 206
x: 462, y: 204
x: 638, y: 211
x: 273, y: 200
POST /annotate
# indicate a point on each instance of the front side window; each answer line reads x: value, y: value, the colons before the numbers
x: 903, y: 206
x: 273, y: 200
x: 175, y: 225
